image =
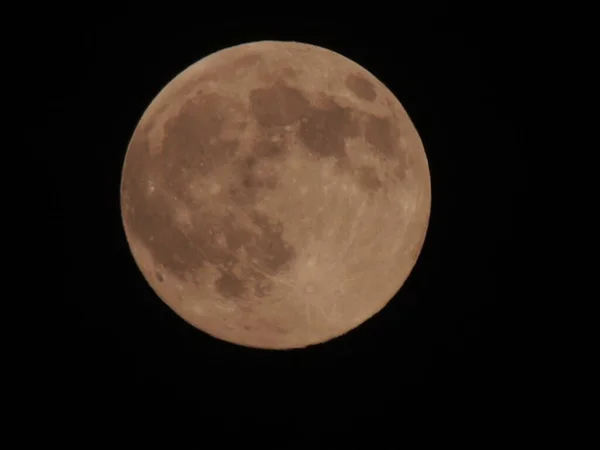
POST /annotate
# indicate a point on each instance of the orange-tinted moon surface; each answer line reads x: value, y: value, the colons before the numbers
x: 275, y: 195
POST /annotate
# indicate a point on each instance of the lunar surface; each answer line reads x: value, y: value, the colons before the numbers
x: 275, y: 195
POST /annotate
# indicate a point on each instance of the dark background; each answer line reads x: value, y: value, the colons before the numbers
x: 460, y: 321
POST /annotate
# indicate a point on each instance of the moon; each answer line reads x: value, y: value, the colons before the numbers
x: 275, y: 195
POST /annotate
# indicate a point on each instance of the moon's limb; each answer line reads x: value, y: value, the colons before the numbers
x: 275, y: 194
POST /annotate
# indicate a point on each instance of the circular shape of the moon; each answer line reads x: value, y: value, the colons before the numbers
x: 275, y: 195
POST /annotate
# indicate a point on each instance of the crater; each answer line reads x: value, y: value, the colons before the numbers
x: 263, y: 287
x: 379, y: 133
x: 401, y: 171
x: 290, y: 73
x: 368, y: 179
x: 268, y: 149
x: 278, y: 105
x: 247, y: 61
x: 255, y: 173
x: 361, y: 87
x: 229, y: 285
x: 325, y: 130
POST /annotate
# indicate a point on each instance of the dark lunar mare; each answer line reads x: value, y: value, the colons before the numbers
x: 193, y: 146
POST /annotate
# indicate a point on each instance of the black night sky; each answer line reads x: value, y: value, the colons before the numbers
x: 458, y: 320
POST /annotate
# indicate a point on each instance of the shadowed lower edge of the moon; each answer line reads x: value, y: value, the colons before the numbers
x: 215, y: 324
x: 297, y: 338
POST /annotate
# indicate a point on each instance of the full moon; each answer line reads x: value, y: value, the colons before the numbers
x: 275, y: 195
